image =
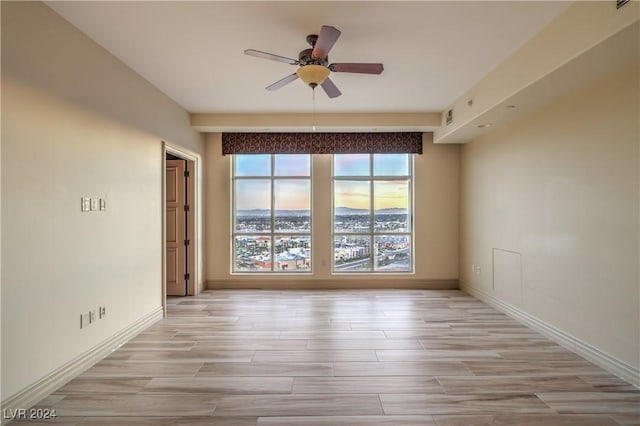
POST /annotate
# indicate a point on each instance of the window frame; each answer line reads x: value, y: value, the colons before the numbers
x: 273, y: 234
x: 372, y: 233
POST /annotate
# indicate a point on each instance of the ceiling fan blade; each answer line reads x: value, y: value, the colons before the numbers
x: 282, y: 82
x: 330, y: 89
x: 326, y: 39
x: 265, y: 55
x: 359, y: 68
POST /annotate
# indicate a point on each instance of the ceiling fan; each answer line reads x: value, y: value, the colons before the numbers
x: 314, y: 67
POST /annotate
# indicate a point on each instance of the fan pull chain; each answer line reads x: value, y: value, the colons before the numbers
x: 313, y: 91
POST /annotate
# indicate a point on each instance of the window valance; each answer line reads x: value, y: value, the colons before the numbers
x: 322, y: 143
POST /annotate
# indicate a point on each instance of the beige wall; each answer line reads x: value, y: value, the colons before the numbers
x: 75, y: 122
x: 530, y: 75
x: 560, y: 188
x: 436, y: 227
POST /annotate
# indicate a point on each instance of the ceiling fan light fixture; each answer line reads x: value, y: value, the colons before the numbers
x: 313, y: 75
x: 314, y: 67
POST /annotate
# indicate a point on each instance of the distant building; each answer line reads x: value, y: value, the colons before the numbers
x: 294, y: 259
x: 350, y: 251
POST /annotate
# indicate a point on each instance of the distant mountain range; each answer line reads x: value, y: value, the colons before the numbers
x: 340, y: 211
x: 348, y: 211
x: 267, y: 212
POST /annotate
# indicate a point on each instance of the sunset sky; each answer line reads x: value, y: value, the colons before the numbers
x: 356, y: 194
x: 294, y: 194
x: 285, y: 165
x: 290, y: 194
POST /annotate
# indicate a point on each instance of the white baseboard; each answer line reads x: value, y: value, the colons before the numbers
x: 621, y: 369
x: 35, y: 392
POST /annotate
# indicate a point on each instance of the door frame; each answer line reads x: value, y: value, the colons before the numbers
x: 195, y: 284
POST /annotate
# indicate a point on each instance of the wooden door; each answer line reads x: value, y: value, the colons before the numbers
x: 176, y: 228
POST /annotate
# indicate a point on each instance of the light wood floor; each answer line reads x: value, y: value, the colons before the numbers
x: 357, y: 357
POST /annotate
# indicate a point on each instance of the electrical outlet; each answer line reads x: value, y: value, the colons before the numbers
x: 84, y: 320
x: 102, y: 311
x: 92, y: 316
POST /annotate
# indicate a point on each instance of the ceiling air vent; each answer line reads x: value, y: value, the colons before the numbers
x: 620, y: 3
x: 449, y: 117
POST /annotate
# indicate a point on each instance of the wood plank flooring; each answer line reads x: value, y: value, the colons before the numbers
x: 347, y: 358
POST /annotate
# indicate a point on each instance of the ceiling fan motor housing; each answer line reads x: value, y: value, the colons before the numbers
x: 305, y: 57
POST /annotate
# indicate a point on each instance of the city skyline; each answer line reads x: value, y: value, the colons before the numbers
x: 289, y: 248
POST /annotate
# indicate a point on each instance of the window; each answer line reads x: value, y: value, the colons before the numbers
x: 372, y: 205
x: 272, y: 213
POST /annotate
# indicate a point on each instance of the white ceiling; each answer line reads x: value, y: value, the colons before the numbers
x: 433, y: 52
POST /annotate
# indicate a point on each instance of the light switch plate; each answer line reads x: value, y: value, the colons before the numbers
x: 84, y: 320
x: 103, y: 204
x: 85, y: 204
x: 94, y: 204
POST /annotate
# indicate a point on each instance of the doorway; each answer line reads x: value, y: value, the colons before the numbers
x: 180, y: 232
x: 178, y: 238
